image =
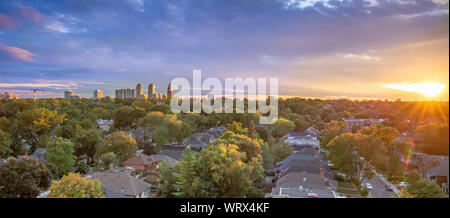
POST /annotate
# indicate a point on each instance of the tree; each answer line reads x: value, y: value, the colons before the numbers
x: 107, y: 159
x: 87, y: 142
x: 412, y: 176
x: 5, y: 144
x: 425, y: 189
x: 59, y: 152
x: 75, y: 186
x: 122, y: 145
x: 123, y: 118
x: 331, y: 130
x: 280, y: 151
x: 34, y: 123
x: 23, y: 179
x: 434, y: 138
x: 346, y: 154
x: 188, y: 181
x: 165, y: 186
x: 390, y: 145
x: 281, y: 127
x: 165, y: 128
x: 219, y: 171
x: 248, y: 146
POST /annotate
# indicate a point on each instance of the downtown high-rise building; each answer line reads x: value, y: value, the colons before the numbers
x: 69, y: 94
x: 139, y: 90
x: 151, y: 90
x: 98, y: 94
x: 169, y: 91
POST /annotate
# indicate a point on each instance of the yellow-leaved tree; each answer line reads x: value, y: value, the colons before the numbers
x: 74, y: 185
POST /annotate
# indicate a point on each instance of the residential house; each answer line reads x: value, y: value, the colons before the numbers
x: 313, y: 131
x: 104, y: 125
x: 356, y: 124
x: 160, y: 158
x: 301, y: 139
x: 143, y: 164
x: 122, y: 185
x: 303, y: 185
x: 434, y: 168
x: 303, y: 174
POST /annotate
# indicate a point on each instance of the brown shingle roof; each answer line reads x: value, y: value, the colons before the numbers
x: 140, y: 159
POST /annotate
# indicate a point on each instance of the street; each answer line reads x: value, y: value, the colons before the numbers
x: 379, y: 190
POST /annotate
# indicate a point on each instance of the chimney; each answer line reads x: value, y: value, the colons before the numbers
x: 111, y: 168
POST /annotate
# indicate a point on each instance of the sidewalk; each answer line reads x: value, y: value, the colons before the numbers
x: 387, y: 182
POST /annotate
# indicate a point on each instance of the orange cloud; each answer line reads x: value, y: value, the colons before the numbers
x: 31, y: 14
x: 18, y: 53
x: 6, y: 22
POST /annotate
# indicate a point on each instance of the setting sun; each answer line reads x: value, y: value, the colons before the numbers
x: 429, y: 89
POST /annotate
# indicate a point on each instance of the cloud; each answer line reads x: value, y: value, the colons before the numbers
x: 58, y: 26
x: 50, y: 84
x: 360, y: 56
x: 6, y: 22
x: 137, y: 4
x: 18, y: 53
x: 436, y: 12
x: 31, y: 14
x: 301, y: 4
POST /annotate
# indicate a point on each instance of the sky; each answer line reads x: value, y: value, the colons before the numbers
x: 316, y: 48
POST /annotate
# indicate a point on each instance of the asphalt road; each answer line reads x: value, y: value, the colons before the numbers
x: 379, y: 190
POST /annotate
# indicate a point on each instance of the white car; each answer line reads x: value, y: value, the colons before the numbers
x: 403, y: 184
x: 369, y: 186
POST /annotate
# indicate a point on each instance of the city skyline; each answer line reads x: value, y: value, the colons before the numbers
x: 318, y: 49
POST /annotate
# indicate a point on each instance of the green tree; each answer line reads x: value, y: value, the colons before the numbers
x: 23, y: 179
x: 34, y: 123
x: 281, y: 127
x: 412, y: 176
x: 188, y: 181
x: 346, y: 153
x: 165, y: 186
x: 425, y: 189
x: 107, y: 159
x: 122, y: 145
x: 123, y: 118
x: 5, y: 144
x: 165, y: 128
x: 280, y: 151
x: 87, y: 142
x: 75, y: 186
x: 59, y: 152
x: 219, y: 171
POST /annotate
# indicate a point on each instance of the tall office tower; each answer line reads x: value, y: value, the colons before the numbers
x: 169, y: 91
x: 120, y: 93
x: 151, y: 90
x: 98, y: 94
x: 68, y: 94
x: 139, y: 90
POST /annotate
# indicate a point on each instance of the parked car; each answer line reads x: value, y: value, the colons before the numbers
x: 389, y: 188
x: 369, y: 186
x: 403, y: 184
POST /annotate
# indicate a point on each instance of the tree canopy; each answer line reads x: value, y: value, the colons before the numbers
x: 74, y: 185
